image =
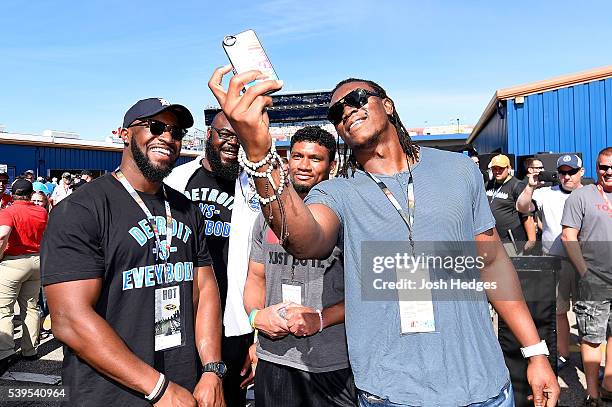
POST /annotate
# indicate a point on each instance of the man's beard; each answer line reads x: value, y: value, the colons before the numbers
x: 301, y: 188
x: 148, y: 170
x: 229, y: 171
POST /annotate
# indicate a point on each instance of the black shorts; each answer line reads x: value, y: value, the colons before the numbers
x: 282, y: 386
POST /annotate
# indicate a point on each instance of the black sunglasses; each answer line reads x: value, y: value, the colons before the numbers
x: 158, y: 128
x: 570, y: 172
x: 225, y: 134
x: 604, y: 168
x: 357, y: 98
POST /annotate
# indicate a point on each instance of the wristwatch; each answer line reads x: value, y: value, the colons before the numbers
x: 539, y: 348
x: 217, y: 368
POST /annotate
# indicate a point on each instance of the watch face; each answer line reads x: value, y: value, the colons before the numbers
x: 217, y: 368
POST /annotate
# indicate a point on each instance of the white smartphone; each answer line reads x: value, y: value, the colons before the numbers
x: 246, y: 53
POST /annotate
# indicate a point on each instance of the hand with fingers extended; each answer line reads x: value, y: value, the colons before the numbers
x: 176, y: 395
x: 543, y: 382
x: 270, y: 322
x: 246, y: 112
x: 302, y: 321
x: 249, y: 366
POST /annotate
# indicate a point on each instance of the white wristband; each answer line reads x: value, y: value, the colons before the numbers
x: 539, y: 348
x: 320, y: 319
x: 157, y: 387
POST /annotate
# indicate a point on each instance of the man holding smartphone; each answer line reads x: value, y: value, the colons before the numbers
x: 390, y: 363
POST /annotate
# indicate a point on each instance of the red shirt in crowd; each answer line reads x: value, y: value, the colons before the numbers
x: 28, y: 222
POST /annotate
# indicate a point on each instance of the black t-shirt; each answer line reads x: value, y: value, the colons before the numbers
x: 502, y: 199
x: 215, y: 198
x: 99, y: 231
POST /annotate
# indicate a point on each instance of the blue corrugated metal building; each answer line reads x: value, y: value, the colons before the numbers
x: 572, y: 113
x: 47, y: 156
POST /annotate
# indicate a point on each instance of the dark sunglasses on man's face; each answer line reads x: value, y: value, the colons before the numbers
x: 569, y: 172
x: 158, y: 128
x: 225, y: 134
x: 356, y: 98
x: 604, y: 168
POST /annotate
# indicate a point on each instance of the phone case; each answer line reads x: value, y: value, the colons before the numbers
x: 246, y: 53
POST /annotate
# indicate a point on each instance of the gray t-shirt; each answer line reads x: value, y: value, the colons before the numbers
x: 586, y: 211
x: 459, y: 364
x: 322, y: 284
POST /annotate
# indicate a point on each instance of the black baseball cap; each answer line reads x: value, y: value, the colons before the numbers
x: 22, y: 187
x: 146, y: 108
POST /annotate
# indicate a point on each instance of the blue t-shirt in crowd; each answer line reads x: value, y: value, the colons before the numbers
x: 461, y: 362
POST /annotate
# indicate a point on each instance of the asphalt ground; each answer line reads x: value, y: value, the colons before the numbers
x: 571, y: 378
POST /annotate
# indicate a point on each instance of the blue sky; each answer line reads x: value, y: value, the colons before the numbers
x: 78, y: 65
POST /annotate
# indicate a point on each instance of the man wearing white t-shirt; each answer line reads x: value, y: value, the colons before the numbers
x: 550, y: 202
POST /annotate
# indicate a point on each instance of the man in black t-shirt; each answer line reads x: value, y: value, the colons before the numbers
x: 210, y: 183
x: 503, y: 191
x: 128, y: 279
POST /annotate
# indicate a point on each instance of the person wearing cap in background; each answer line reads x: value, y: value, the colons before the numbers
x: 549, y: 201
x: 21, y: 230
x: 502, y: 192
x: 128, y: 278
x: 62, y: 190
x: 5, y: 199
x: 40, y: 185
x: 84, y: 178
x: 29, y: 175
x: 587, y: 238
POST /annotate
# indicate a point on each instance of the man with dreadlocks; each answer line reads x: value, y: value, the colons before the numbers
x: 418, y: 353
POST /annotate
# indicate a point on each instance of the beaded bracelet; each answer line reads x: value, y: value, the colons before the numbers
x: 251, y: 169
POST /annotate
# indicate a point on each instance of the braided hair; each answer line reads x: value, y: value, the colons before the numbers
x: 348, y: 158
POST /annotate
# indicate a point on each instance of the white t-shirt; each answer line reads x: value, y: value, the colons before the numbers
x: 60, y: 192
x: 550, y: 202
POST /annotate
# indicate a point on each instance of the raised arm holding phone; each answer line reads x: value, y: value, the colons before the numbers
x: 348, y: 211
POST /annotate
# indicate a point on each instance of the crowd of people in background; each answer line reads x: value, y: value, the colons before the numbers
x: 570, y: 219
x: 25, y: 205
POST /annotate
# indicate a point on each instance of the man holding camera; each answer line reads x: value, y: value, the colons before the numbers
x: 550, y: 201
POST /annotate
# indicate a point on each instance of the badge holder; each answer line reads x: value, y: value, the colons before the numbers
x: 169, y: 318
x: 416, y: 316
x: 292, y: 291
